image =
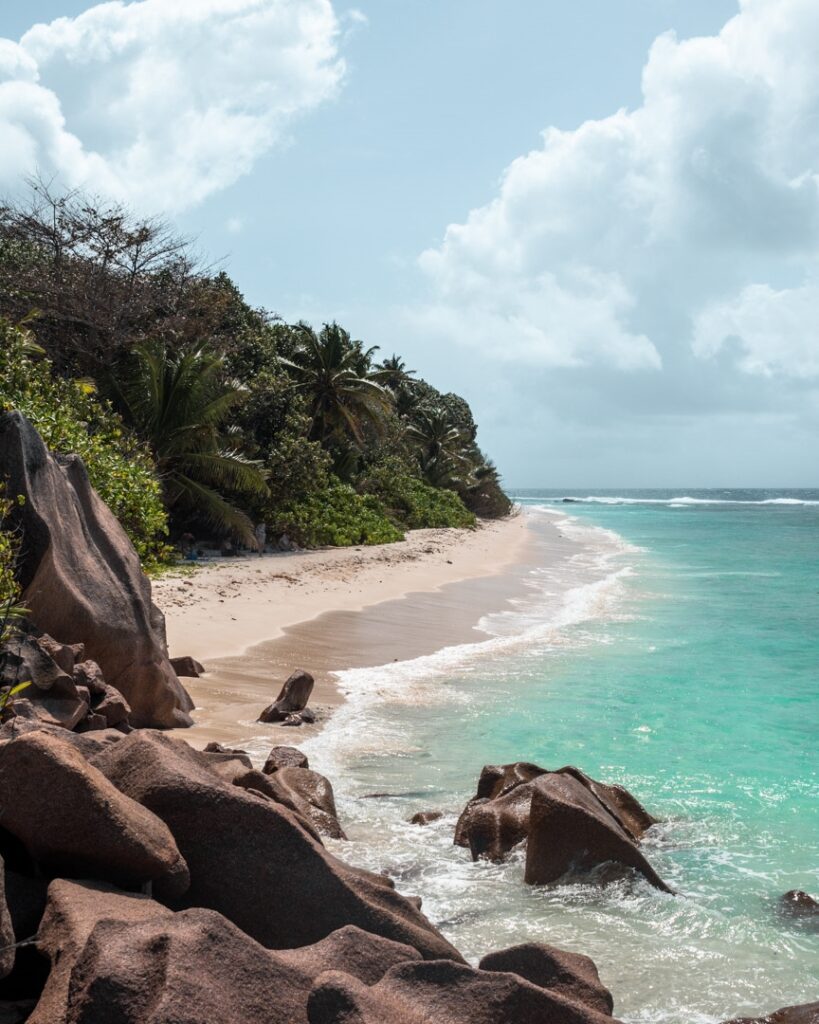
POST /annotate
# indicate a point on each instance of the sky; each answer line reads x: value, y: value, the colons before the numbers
x: 597, y: 220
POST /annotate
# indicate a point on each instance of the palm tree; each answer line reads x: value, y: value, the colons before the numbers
x: 441, y: 445
x: 393, y: 374
x: 343, y: 395
x: 179, y: 401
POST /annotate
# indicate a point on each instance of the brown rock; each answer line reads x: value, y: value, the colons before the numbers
x: 89, y: 674
x: 495, y: 783
x: 570, y: 828
x: 72, y: 912
x: 292, y: 698
x: 245, y: 852
x: 65, y: 655
x: 70, y: 535
x: 111, y: 706
x: 217, y: 748
x: 6, y: 929
x: 500, y: 817
x: 65, y: 713
x: 187, y: 666
x: 425, y: 817
x: 306, y: 792
x: 195, y: 967
x: 808, y: 1013
x: 70, y: 818
x: 28, y: 659
x: 284, y: 757
x: 570, y: 974
x: 445, y: 992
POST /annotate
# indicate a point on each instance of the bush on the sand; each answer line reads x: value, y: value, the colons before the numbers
x: 337, y: 516
x: 71, y: 418
x: 415, y: 504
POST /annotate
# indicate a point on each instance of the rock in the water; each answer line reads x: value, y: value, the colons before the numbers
x: 292, y: 698
x: 807, y: 1013
x: 284, y: 757
x: 188, y: 667
x: 571, y: 974
x: 217, y: 748
x: 572, y: 829
x: 82, y: 579
x: 599, y: 822
x: 306, y: 792
x: 425, y: 817
x: 799, y: 904
x: 128, y: 959
x: 420, y: 993
x: 245, y: 851
x: 70, y: 818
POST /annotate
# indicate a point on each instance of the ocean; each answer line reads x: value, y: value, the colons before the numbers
x: 674, y: 650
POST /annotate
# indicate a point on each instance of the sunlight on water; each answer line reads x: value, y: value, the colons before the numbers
x: 675, y: 653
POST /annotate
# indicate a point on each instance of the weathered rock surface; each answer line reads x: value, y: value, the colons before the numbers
x: 292, y: 698
x: 6, y: 929
x: 572, y: 829
x: 284, y: 757
x: 187, y: 666
x: 568, y: 820
x: 82, y: 579
x: 307, y: 793
x: 807, y: 1013
x: 445, y: 992
x: 570, y: 974
x: 196, y: 966
x: 70, y: 818
x: 72, y: 912
x: 244, y: 852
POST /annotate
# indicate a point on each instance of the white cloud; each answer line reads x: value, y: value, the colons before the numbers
x: 605, y: 245
x: 773, y: 332
x: 160, y: 103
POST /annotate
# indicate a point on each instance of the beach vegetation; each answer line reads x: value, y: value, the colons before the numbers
x: 196, y: 412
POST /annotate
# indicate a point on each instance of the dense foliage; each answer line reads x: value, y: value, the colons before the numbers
x: 71, y: 418
x: 8, y: 549
x: 196, y: 412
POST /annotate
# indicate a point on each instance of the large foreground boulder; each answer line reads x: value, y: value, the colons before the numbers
x: 82, y: 578
x: 569, y: 821
x: 71, y: 819
x: 807, y: 1013
x: 251, y: 859
x: 442, y: 991
x: 118, y: 957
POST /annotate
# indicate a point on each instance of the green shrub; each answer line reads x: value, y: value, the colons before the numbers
x: 71, y: 419
x: 414, y: 503
x: 338, y: 516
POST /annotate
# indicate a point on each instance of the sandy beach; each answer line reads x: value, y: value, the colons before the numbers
x: 252, y: 620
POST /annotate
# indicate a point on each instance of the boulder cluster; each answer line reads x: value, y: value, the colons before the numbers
x: 143, y: 881
x: 570, y: 823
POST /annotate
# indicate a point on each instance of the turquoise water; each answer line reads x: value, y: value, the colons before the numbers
x: 673, y: 648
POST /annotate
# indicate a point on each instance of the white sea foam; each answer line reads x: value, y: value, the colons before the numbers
x: 584, y: 585
x: 682, y: 501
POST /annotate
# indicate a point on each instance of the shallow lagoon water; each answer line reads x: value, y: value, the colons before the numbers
x: 676, y: 652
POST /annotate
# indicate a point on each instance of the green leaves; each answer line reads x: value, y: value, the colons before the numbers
x: 71, y: 418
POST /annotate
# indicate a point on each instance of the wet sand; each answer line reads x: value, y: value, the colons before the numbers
x: 369, y: 607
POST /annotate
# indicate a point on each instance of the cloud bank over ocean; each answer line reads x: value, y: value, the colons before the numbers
x: 688, y: 225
